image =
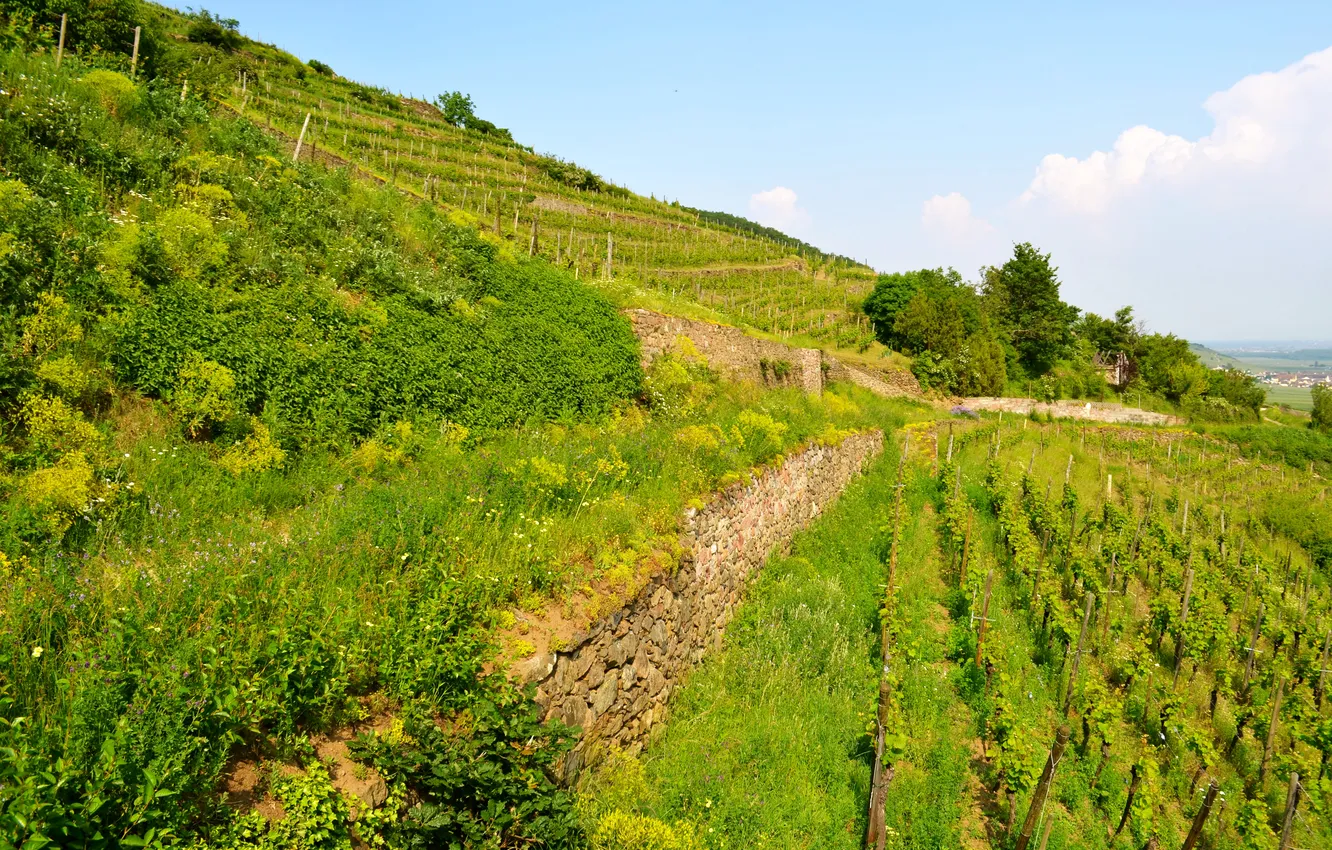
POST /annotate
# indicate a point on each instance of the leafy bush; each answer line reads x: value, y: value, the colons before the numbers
x: 256, y: 452
x: 204, y: 395
x: 485, y: 780
x: 1322, y: 408
x: 627, y: 831
x: 207, y: 28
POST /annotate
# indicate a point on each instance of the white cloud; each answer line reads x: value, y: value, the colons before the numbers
x: 950, y: 216
x: 1264, y: 123
x: 1219, y: 236
x: 778, y: 207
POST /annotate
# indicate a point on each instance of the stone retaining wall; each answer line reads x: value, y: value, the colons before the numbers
x: 615, y: 679
x: 1091, y: 411
x: 729, y: 350
x: 897, y: 382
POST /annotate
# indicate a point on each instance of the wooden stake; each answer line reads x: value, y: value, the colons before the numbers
x: 1077, y: 657
x: 134, y: 59
x: 300, y: 140
x: 1322, y: 671
x: 1183, y: 618
x: 966, y: 549
x: 1195, y: 832
x: 60, y: 49
x: 1253, y: 646
x: 984, y: 618
x: 1292, y: 800
x: 1271, y: 731
x: 1043, y: 787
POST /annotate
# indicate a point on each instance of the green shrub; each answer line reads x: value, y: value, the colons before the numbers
x: 115, y: 91
x: 204, y: 395
x: 627, y: 831
x: 1322, y: 408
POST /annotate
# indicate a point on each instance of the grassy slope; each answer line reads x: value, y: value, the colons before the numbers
x: 196, y: 610
x: 770, y: 742
x: 665, y: 252
x: 1211, y: 358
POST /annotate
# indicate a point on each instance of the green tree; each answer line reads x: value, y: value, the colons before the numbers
x: 1322, y: 407
x: 930, y: 324
x: 457, y: 107
x: 1236, y: 387
x: 1023, y: 295
x: 1167, y: 366
x: 893, y: 292
x: 1110, y: 336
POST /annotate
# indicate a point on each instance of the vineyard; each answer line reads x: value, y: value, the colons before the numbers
x: 1147, y: 594
x: 1093, y: 638
x: 654, y: 251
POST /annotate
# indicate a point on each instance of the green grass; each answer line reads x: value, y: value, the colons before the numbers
x: 283, y: 449
x: 770, y: 742
x: 1299, y: 398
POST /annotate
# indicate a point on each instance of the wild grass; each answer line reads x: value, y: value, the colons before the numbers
x: 770, y: 742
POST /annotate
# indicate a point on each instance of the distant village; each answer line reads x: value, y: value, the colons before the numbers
x: 1303, y: 378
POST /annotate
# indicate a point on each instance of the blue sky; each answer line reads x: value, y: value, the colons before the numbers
x: 853, y: 125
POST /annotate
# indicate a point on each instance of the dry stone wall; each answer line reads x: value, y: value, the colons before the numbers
x: 615, y: 679
x: 729, y: 350
x: 1091, y: 411
x: 896, y: 382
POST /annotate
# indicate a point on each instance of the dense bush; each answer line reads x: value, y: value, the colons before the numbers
x: 1322, y: 408
x: 332, y: 307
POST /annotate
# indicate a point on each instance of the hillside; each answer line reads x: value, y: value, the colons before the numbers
x: 1214, y: 359
x: 658, y: 252
x: 344, y: 505
x: 287, y: 452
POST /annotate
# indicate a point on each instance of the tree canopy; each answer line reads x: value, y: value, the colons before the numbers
x: 1023, y: 295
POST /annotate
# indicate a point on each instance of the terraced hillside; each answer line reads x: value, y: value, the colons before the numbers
x: 654, y: 251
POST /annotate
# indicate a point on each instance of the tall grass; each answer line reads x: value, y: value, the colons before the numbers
x: 769, y: 743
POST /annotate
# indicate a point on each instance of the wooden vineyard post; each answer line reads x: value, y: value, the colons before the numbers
x: 897, y: 518
x: 134, y: 62
x: 532, y: 244
x: 1292, y: 800
x: 1195, y: 832
x: 1253, y: 646
x: 610, y: 254
x: 1322, y: 671
x: 876, y: 836
x: 984, y: 618
x: 300, y: 140
x: 1043, y: 788
x: 1183, y: 618
x: 1271, y: 731
x: 60, y: 48
x: 966, y: 551
x: 1109, y: 594
x: 1077, y: 657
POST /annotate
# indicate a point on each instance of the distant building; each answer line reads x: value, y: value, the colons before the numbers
x: 1117, y: 368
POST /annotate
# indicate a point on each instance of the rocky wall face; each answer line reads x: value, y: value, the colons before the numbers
x: 729, y: 350
x: 896, y: 382
x: 614, y: 680
x: 1113, y: 414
